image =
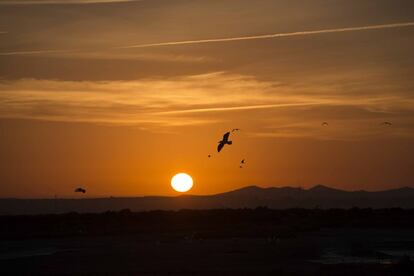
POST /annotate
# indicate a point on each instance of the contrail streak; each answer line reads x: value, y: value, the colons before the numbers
x: 216, y: 40
x: 36, y: 52
x: 268, y: 36
x: 235, y: 108
x: 65, y: 2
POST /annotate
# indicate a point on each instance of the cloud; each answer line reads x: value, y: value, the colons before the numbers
x: 268, y: 108
x: 63, y: 2
x: 277, y: 35
x: 35, y: 52
x: 126, y: 102
x: 238, y: 108
x: 101, y: 52
x: 111, y: 55
x: 338, y: 130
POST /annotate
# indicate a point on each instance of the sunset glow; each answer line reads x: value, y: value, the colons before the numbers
x: 120, y: 95
x: 182, y: 182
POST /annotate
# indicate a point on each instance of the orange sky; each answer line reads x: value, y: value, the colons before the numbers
x: 84, y: 103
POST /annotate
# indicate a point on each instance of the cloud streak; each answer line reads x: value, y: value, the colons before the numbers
x: 276, y: 35
x: 14, y: 53
x: 63, y: 2
x: 238, y: 108
x: 215, y: 40
x: 190, y: 100
x: 127, y: 102
x: 268, y: 108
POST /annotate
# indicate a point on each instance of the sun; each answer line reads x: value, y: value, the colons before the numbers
x: 181, y: 182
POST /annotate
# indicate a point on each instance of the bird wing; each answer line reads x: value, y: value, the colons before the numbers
x: 220, y: 146
x: 226, y: 137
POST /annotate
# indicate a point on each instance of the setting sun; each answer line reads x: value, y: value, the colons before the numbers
x: 182, y: 182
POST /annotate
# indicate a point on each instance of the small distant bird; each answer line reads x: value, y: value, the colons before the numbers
x: 80, y: 190
x: 386, y: 123
x: 224, y: 141
x: 325, y: 124
x: 243, y: 161
x: 209, y: 155
x: 235, y: 129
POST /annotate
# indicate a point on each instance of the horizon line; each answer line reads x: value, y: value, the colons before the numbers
x: 67, y: 197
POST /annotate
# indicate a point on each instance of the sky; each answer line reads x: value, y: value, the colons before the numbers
x: 118, y: 96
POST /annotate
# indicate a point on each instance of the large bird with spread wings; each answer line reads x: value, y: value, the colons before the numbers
x: 224, y: 141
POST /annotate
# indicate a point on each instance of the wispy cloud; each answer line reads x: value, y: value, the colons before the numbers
x: 111, y: 55
x: 272, y: 109
x: 126, y: 55
x: 127, y: 102
x: 35, y: 52
x: 276, y: 35
x: 80, y: 52
x: 339, y: 130
x: 239, y: 108
x: 65, y: 2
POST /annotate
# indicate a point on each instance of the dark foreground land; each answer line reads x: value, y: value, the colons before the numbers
x: 257, y: 241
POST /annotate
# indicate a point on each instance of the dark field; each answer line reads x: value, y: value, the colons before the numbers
x: 244, y: 241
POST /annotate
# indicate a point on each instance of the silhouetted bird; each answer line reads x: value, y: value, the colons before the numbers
x: 386, y: 123
x: 243, y: 161
x: 80, y: 190
x: 224, y: 141
x: 209, y: 156
x: 325, y: 124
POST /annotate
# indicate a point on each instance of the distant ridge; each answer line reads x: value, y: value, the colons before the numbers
x: 247, y: 197
x: 322, y: 188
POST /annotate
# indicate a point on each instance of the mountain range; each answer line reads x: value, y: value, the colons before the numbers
x: 248, y: 197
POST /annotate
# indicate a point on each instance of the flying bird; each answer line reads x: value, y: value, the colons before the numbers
x: 242, y: 162
x: 325, y: 124
x: 209, y: 155
x: 386, y: 123
x: 224, y: 141
x: 80, y: 190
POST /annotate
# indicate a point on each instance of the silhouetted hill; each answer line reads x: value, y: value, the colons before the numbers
x: 325, y: 190
x: 247, y: 197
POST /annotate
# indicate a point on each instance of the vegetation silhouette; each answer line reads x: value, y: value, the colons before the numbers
x: 262, y: 241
